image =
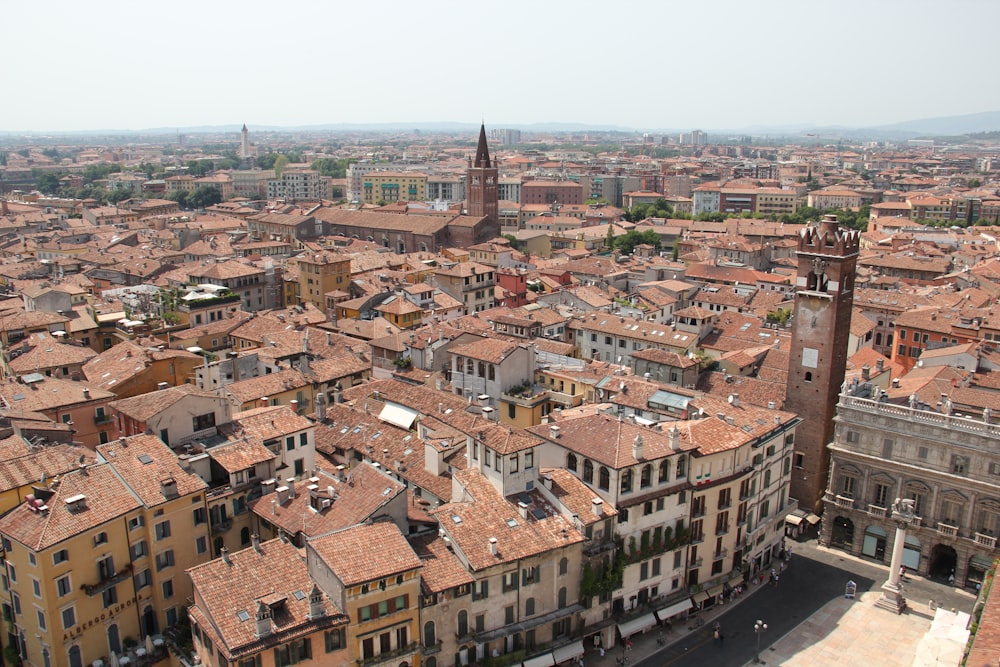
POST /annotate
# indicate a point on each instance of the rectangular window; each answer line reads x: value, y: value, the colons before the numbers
x: 36, y: 587
x: 63, y: 586
x: 168, y: 588
x: 164, y: 559
x: 513, y: 463
x: 529, y: 459
x: 138, y: 550
x: 136, y: 522
x: 60, y: 556
x: 68, y: 617
x: 201, y: 545
x: 109, y: 596
x: 163, y: 530
x: 41, y: 619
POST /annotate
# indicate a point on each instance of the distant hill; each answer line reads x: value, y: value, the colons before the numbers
x: 947, y: 125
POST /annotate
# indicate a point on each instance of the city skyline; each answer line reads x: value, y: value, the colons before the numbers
x: 132, y: 67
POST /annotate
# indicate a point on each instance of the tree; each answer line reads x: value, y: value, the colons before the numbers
x: 205, y: 196
x: 48, y: 183
x: 198, y: 168
x: 332, y: 167
x: 267, y: 160
x: 179, y: 196
x: 630, y: 239
x: 279, y: 164
x: 119, y: 194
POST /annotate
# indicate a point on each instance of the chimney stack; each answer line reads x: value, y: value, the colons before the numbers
x: 315, y: 603
x: 597, y: 505
x: 674, y: 438
x: 734, y: 400
x: 637, y: 447
x: 290, y: 483
x: 224, y: 552
x: 294, y: 405
x: 338, y: 393
x: 263, y: 619
x: 320, y: 406
x: 255, y: 540
x: 866, y: 372
x: 493, y: 546
x: 879, y: 365
x: 554, y: 431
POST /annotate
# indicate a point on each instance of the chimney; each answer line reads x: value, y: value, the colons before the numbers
x: 493, y: 546
x: 263, y: 401
x: 522, y: 508
x: 895, y: 383
x: 329, y: 339
x: 290, y: 483
x: 86, y: 392
x: 282, y: 493
x: 338, y: 393
x: 294, y: 405
x: 160, y: 386
x: 484, y: 399
x: 320, y: 406
x: 547, y: 481
x: 263, y: 617
x: 734, y: 400
x: 439, y: 383
x: 866, y: 372
x: 255, y: 540
x: 674, y: 439
x: 224, y: 553
x: 637, y: 447
x: 340, y: 472
x: 168, y: 487
x: 554, y: 431
x: 879, y: 365
x: 315, y: 603
x: 597, y: 505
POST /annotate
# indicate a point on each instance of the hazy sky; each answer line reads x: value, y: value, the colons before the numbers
x: 709, y: 64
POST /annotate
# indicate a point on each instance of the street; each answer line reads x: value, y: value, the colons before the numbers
x: 814, y: 577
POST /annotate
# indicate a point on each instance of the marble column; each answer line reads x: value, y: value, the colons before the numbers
x: 892, y: 590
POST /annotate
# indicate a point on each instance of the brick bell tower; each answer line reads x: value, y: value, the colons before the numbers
x: 481, y: 183
x: 824, y: 298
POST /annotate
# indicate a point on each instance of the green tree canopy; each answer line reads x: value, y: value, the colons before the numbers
x: 205, y: 196
x: 630, y: 239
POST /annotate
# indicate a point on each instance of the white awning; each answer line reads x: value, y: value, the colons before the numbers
x: 568, y: 652
x: 397, y: 415
x: 674, y: 609
x: 792, y: 519
x: 715, y: 590
x: 700, y: 597
x: 640, y: 624
x: 812, y: 518
x: 543, y: 660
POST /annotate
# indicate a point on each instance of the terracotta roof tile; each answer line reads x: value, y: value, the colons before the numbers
x: 350, y: 555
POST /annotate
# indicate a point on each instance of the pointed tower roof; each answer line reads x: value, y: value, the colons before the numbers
x: 244, y: 127
x: 482, y: 151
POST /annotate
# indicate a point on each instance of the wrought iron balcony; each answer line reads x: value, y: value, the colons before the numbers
x: 107, y: 582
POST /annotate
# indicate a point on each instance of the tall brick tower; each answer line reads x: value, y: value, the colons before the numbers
x: 824, y: 297
x: 481, y: 183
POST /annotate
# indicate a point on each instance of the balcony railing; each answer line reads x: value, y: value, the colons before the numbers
x: 389, y: 656
x: 947, y: 529
x: 846, y: 502
x: 875, y: 510
x: 222, y: 526
x: 430, y: 649
x: 985, y: 540
x: 107, y: 582
x: 696, y: 562
x: 721, y: 553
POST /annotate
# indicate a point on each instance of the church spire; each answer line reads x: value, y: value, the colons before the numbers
x: 482, y: 150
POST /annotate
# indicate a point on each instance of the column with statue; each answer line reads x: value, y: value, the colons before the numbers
x: 903, y: 515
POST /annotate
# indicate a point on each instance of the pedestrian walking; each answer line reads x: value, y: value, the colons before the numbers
x: 715, y: 637
x: 601, y: 649
x: 628, y: 644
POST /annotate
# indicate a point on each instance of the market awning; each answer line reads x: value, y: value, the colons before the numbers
x: 543, y: 660
x: 715, y: 590
x: 812, y: 518
x: 794, y: 520
x: 700, y: 597
x: 640, y: 624
x: 568, y: 652
x: 397, y: 415
x: 674, y: 609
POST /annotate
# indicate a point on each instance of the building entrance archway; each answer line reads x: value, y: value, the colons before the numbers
x: 944, y: 560
x: 843, y: 532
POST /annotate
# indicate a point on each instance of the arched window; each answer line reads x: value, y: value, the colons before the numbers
x: 430, y: 638
x: 463, y: 623
x: 571, y: 462
x: 529, y: 607
x: 430, y: 662
x: 681, y: 468
x: 588, y: 471
x: 626, y: 486
x: 562, y: 597
x: 75, y: 658
x: 646, y: 477
x: 492, y: 372
x: 664, y: 471
x: 604, y: 481
x: 482, y: 369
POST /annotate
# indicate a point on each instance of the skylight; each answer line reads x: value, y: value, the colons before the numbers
x: 243, y: 615
x: 299, y: 595
x: 145, y: 459
x: 512, y: 523
x: 455, y: 518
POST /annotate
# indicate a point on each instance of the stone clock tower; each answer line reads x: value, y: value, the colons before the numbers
x: 481, y: 185
x: 824, y: 298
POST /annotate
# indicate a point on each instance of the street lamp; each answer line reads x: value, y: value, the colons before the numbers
x: 759, y: 628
